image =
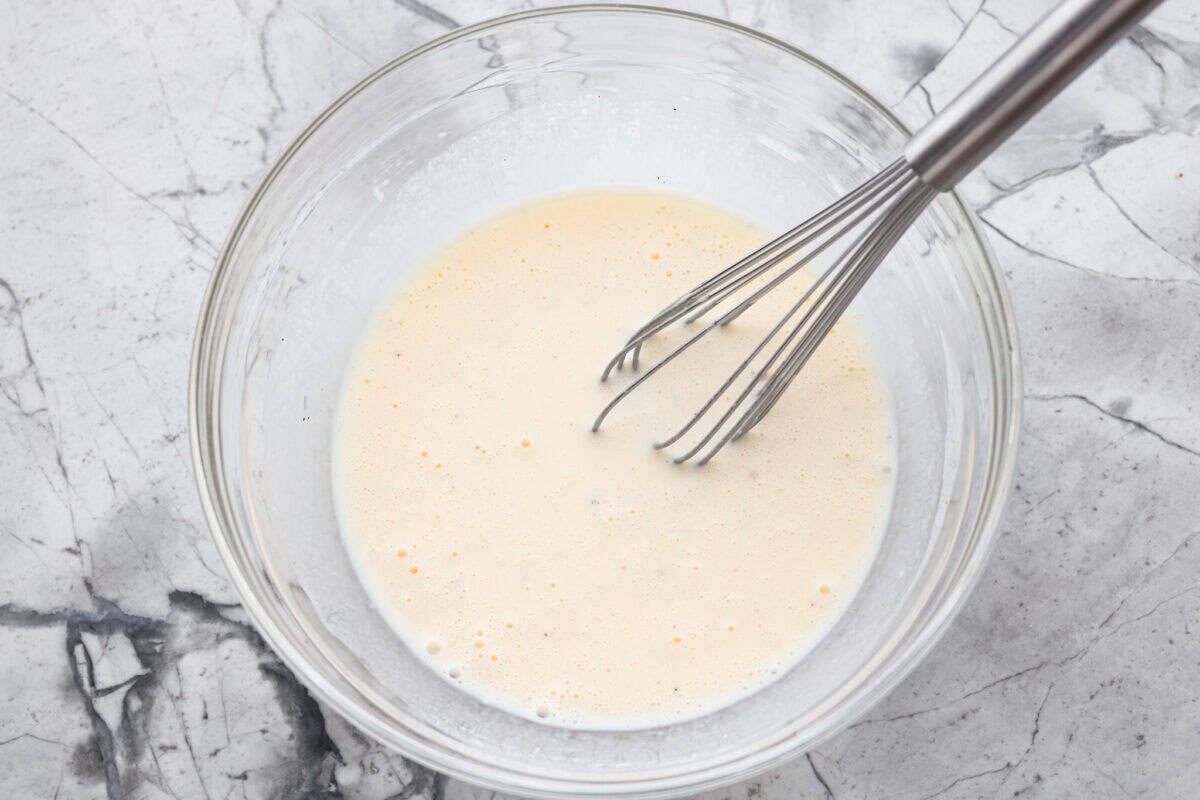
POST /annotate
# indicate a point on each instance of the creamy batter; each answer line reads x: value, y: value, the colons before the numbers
x: 583, y: 577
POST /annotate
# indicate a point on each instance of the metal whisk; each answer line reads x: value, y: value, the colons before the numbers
x: 862, y: 227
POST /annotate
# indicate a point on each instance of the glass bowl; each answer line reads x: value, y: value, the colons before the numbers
x: 500, y: 113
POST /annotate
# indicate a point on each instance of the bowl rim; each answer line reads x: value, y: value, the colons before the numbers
x: 215, y: 497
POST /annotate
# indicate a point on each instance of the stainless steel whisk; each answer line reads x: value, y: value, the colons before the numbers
x: 867, y: 222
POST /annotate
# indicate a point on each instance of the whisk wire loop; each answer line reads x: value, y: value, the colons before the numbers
x: 726, y: 282
x: 872, y: 216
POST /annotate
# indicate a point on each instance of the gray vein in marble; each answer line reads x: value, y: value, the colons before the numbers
x: 428, y: 12
x: 1114, y: 412
x: 820, y: 778
x: 186, y: 229
x: 119, y: 738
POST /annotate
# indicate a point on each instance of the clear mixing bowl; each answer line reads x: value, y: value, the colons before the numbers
x: 498, y: 114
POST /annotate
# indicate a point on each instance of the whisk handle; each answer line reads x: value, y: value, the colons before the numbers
x: 1017, y: 85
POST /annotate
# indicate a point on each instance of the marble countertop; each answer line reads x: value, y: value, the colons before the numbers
x: 130, y: 134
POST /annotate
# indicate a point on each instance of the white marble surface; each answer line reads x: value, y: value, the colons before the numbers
x: 130, y: 133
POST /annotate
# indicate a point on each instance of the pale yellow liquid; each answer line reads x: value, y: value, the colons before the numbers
x: 583, y: 577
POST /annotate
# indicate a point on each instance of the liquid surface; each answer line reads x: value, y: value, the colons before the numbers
x: 583, y: 577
